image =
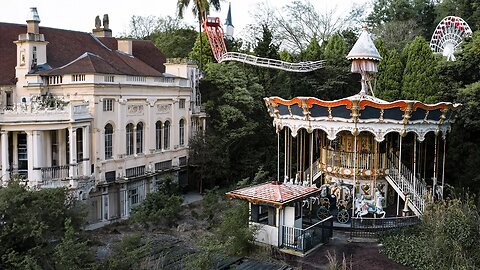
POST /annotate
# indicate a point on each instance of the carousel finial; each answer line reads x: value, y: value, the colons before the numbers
x: 365, y: 57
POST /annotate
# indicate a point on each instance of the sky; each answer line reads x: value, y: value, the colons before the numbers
x: 80, y: 15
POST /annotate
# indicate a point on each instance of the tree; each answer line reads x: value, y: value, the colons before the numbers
x: 336, y: 49
x: 142, y: 26
x: 389, y: 76
x: 201, y: 51
x: 72, y: 253
x: 265, y: 46
x: 420, y: 79
x: 313, y: 51
x: 466, y: 9
x: 31, y: 222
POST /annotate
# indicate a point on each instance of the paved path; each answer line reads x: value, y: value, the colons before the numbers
x: 191, y: 197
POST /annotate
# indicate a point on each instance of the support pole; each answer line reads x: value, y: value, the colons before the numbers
x: 278, y: 155
x: 354, y: 172
x: 435, y: 169
x: 311, y: 159
x: 399, y: 171
x: 286, y: 154
x: 443, y: 165
x: 414, y: 163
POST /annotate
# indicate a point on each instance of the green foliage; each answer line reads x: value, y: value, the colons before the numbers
x: 232, y: 237
x: 336, y: 49
x: 127, y: 254
x: 466, y: 9
x: 31, y: 223
x: 265, y: 47
x: 202, y: 52
x: 389, y: 76
x: 420, y: 77
x: 448, y: 238
x: 158, y: 207
x: 72, y: 253
x: 175, y: 43
x: 210, y: 203
x: 313, y: 52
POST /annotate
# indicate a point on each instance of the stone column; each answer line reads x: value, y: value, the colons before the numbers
x: 62, y: 145
x: 86, y: 151
x: 30, y: 155
x: 134, y: 140
x: 38, y: 149
x: 73, y: 154
x: 5, y: 172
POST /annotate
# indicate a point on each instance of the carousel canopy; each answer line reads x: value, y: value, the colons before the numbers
x: 364, y: 48
x: 273, y: 193
x: 360, y: 113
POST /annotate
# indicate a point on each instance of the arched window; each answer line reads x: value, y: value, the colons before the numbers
x: 108, y: 141
x: 166, y: 135
x: 139, y: 137
x: 181, y: 130
x: 129, y: 133
x: 158, y: 135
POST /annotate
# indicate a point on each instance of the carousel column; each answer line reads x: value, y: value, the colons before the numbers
x: 435, y: 169
x: 414, y: 163
x: 354, y: 172
x: 5, y: 170
x: 399, y: 171
x: 443, y: 163
x: 311, y: 159
x: 278, y: 155
x: 285, y: 157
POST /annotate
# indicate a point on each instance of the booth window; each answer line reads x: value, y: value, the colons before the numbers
x: 263, y: 214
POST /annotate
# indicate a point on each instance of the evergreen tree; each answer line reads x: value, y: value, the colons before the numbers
x: 420, y: 78
x: 336, y: 49
x: 389, y: 76
x: 72, y: 254
x: 313, y: 52
x: 206, y: 50
x: 265, y: 46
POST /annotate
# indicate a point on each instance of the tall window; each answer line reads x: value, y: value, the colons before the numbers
x: 129, y: 133
x: 166, y: 135
x: 158, y: 135
x: 108, y: 105
x: 181, y: 103
x: 108, y: 141
x: 139, y: 138
x: 53, y: 136
x: 181, y: 130
x: 79, y: 144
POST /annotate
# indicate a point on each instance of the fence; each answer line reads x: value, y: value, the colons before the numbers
x: 305, y: 239
x: 374, y: 227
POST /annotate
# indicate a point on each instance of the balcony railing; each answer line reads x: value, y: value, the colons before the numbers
x: 304, y: 240
x: 366, y: 161
x: 55, y: 173
x: 34, y: 111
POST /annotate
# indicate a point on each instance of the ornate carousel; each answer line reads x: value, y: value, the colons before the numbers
x: 364, y: 153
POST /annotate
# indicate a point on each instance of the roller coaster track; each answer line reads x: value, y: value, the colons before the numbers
x: 271, y: 63
x: 214, y: 31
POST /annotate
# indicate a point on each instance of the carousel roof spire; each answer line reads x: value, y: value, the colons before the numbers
x: 365, y: 57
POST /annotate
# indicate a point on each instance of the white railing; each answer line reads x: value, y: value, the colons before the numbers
x: 272, y: 63
x: 415, y: 187
x: 55, y: 173
x: 343, y: 159
x: 37, y: 112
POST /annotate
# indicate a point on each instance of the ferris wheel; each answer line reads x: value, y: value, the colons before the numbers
x: 448, y: 35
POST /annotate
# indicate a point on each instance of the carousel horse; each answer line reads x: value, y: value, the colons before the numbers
x: 366, y: 205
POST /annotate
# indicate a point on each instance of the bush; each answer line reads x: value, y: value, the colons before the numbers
x: 447, y: 238
x: 157, y: 208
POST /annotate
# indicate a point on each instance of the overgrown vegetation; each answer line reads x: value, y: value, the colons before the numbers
x: 448, y: 238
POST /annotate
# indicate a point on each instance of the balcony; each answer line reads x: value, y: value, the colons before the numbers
x: 341, y: 162
x: 55, y: 173
x: 41, y: 112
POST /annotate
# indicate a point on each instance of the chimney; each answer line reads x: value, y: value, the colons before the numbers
x: 33, y: 21
x: 125, y: 45
x: 104, y: 31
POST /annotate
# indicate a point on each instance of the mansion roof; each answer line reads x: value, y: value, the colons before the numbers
x: 73, y: 52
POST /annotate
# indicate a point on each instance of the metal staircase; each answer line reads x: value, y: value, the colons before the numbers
x: 404, y: 182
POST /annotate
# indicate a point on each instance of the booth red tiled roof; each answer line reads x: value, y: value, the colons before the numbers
x: 276, y: 193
